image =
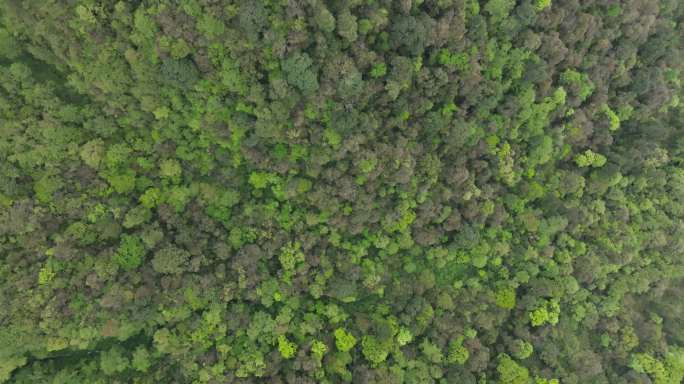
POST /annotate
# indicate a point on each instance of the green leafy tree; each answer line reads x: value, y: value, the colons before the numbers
x: 590, y: 158
x: 541, y: 5
x: 343, y: 340
x: 457, y: 353
x: 378, y: 70
x: 521, y: 349
x: 170, y: 169
x: 510, y: 372
x: 137, y: 216
x: 505, y: 298
x: 347, y: 27
x: 547, y: 313
x: 374, y: 350
x: 319, y: 349
x: 324, y: 18
x: 499, y: 9
x: 130, y: 253
x: 141, y: 360
x: 113, y: 361
x: 92, y: 153
x: 299, y: 72
x: 287, y: 348
x: 431, y: 351
x: 579, y: 82
x: 170, y: 260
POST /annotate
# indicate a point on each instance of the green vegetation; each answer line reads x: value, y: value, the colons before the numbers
x: 352, y: 191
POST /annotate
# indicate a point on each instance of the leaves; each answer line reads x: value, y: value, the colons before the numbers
x: 130, y: 252
x: 299, y: 72
x: 344, y: 340
x: 411, y: 191
x: 170, y: 260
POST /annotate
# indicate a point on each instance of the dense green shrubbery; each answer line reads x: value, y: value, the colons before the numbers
x: 367, y: 191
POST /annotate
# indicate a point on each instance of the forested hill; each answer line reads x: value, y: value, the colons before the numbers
x: 342, y: 191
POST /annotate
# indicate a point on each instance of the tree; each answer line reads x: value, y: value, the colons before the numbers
x: 170, y: 260
x: 141, y: 359
x: 343, y: 340
x: 374, y: 350
x: 286, y: 348
x: 299, y: 72
x: 590, y: 158
x: 499, y: 9
x: 347, y: 26
x: 457, y: 353
x: 130, y: 253
x: 92, y: 153
x: 510, y: 372
x: 112, y: 361
x: 324, y: 19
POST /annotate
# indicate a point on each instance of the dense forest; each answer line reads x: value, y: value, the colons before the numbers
x: 342, y: 191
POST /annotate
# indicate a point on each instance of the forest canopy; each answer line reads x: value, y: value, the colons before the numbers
x: 338, y: 191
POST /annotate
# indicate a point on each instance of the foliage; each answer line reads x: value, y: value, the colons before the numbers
x: 510, y: 372
x: 590, y: 158
x: 412, y: 191
x: 374, y: 350
x: 130, y: 252
x: 457, y: 354
x: 170, y: 260
x: 298, y: 72
x: 287, y: 348
x: 343, y: 340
